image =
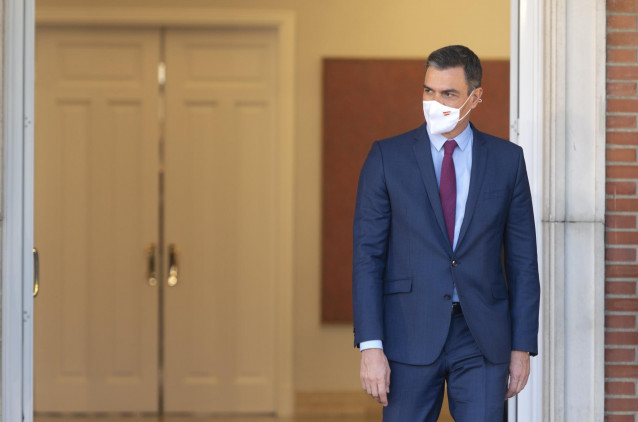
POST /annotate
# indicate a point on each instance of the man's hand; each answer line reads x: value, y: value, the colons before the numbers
x: 375, y: 374
x: 519, y: 372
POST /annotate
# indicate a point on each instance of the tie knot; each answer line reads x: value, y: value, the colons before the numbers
x: 449, y: 146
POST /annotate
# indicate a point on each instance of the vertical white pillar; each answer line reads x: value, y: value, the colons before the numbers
x: 27, y: 210
x: 584, y: 173
x: 527, y: 131
x: 17, y: 222
x: 562, y: 129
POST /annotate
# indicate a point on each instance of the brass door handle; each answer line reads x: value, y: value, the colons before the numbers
x: 151, y: 271
x: 172, y: 265
x: 36, y: 272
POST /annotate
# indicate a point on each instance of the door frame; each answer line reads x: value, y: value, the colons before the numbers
x: 542, y: 75
x: 283, y: 23
x: 17, y: 211
x: 526, y: 129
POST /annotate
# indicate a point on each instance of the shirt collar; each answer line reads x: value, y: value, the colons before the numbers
x: 462, y: 140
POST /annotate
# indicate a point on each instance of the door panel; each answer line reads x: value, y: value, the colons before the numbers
x: 221, y: 214
x: 96, y: 198
x: 96, y: 212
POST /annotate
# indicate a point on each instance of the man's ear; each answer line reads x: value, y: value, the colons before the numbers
x: 476, y: 97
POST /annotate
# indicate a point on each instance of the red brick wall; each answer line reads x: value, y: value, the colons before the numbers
x: 621, y: 302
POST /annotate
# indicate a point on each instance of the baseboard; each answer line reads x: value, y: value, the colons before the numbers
x: 345, y: 403
x: 334, y: 403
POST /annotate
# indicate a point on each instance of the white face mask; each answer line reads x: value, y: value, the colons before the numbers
x: 441, y: 118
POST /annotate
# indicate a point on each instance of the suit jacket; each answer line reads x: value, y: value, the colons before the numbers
x: 404, y: 268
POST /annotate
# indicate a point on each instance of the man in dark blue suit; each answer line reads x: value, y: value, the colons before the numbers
x: 437, y: 210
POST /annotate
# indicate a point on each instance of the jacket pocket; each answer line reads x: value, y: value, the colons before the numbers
x: 397, y: 286
x: 500, y: 292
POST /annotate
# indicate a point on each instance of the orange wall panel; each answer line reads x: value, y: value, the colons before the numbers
x: 365, y: 100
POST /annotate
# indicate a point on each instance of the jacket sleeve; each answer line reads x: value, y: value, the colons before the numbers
x: 370, y: 239
x: 521, y: 265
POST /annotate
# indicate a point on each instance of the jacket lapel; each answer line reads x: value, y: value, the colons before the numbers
x: 426, y: 166
x: 479, y: 160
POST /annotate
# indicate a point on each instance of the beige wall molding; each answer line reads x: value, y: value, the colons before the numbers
x: 167, y: 16
x: 284, y: 23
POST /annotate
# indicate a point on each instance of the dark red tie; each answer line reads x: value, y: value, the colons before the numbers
x: 447, y: 188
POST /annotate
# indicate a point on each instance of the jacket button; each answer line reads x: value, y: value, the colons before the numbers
x: 447, y: 297
x: 454, y: 262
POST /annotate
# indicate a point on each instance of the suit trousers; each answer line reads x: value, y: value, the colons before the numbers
x: 476, y: 388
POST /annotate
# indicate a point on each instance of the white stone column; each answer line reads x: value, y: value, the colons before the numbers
x: 560, y: 123
x: 573, y: 209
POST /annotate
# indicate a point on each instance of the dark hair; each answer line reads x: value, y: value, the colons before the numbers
x: 454, y: 56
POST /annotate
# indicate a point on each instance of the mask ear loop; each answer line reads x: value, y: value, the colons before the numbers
x: 466, y: 114
x: 480, y: 100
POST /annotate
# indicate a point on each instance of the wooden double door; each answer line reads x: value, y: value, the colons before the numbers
x: 155, y: 220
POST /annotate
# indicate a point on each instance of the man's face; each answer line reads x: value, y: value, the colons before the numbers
x: 449, y: 87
